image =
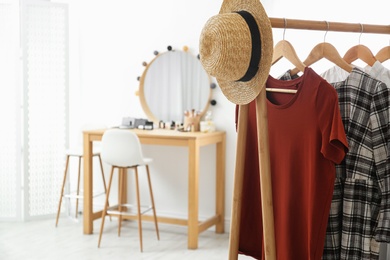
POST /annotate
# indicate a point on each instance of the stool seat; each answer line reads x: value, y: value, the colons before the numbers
x: 78, y: 151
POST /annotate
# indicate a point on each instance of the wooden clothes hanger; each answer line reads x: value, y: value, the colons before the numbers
x: 383, y: 54
x: 327, y: 51
x: 285, y: 49
x: 361, y: 52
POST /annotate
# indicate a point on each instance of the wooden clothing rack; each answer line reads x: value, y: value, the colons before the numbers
x: 262, y: 136
x: 329, y: 26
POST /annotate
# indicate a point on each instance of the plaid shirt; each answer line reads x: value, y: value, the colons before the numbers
x: 362, y: 190
x: 382, y: 233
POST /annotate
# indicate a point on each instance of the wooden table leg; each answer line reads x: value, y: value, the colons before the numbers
x: 88, y: 186
x: 193, y: 194
x: 238, y: 182
x: 220, y: 185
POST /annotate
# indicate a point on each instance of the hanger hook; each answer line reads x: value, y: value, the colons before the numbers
x: 327, y: 29
x: 361, y: 32
x: 285, y: 26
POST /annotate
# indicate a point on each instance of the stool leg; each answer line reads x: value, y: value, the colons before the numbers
x: 104, y: 179
x: 152, y: 200
x: 62, y: 188
x: 101, y: 168
x: 120, y: 181
x: 105, y: 206
x: 138, y: 208
x: 78, y: 188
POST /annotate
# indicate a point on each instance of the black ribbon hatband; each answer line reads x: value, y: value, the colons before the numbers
x: 256, y: 46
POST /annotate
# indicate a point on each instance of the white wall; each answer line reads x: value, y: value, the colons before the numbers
x: 111, y: 39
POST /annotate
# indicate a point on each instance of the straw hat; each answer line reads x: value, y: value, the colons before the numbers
x: 236, y: 48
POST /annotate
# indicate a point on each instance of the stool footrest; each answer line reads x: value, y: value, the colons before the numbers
x: 114, y: 210
x: 73, y: 195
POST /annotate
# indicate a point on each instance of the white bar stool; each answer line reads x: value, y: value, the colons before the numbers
x: 78, y: 153
x: 122, y: 150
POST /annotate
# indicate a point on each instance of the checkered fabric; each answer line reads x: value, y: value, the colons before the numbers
x: 382, y: 232
x: 362, y: 185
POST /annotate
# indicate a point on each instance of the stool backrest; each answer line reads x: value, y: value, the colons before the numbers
x: 121, y: 147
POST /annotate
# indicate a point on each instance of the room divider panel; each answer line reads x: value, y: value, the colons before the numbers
x: 34, y: 106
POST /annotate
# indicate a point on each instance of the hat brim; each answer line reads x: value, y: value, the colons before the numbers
x: 239, y: 92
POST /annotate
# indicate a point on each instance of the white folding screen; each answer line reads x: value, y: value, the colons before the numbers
x: 33, y: 106
x: 10, y: 148
x: 45, y: 74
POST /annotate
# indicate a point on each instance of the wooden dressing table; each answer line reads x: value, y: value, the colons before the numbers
x: 193, y: 140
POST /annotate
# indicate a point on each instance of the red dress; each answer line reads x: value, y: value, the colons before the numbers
x: 306, y: 140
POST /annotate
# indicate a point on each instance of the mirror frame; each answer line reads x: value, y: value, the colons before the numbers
x: 141, y: 92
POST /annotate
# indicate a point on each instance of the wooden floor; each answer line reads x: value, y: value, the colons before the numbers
x: 40, y: 239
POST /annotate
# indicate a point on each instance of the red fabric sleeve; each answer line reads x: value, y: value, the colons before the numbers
x: 334, y: 141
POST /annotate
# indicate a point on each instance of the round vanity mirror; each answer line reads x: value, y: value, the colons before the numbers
x: 173, y: 82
